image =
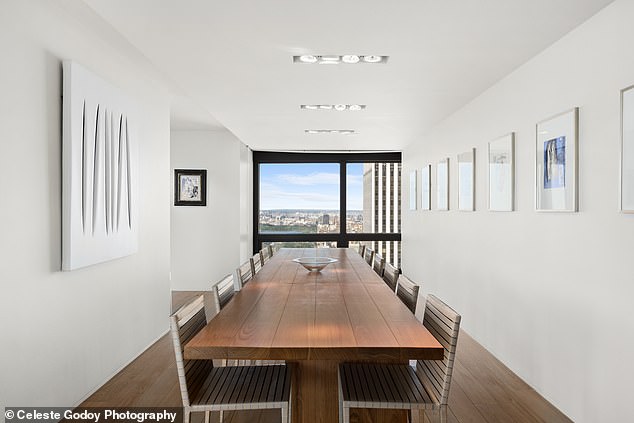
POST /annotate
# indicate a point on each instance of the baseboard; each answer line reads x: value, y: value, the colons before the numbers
x: 116, y: 372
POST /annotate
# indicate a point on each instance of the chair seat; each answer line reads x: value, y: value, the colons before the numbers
x: 243, y: 387
x: 374, y: 385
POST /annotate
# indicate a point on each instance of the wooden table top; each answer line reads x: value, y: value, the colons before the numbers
x: 344, y: 312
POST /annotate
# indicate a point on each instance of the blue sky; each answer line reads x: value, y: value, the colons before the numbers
x: 308, y: 186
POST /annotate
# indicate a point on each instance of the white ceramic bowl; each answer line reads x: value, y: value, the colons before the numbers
x: 314, y: 264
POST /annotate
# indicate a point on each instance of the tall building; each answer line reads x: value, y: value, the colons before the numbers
x: 382, y: 206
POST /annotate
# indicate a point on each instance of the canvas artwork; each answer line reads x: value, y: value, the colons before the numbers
x: 412, y: 190
x: 425, y: 188
x: 190, y: 188
x: 556, y: 163
x: 99, y: 170
x: 466, y: 183
x: 442, y: 185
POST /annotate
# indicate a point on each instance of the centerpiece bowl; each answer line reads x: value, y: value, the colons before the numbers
x: 314, y: 264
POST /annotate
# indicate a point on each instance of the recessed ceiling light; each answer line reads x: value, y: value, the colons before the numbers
x: 350, y: 58
x: 330, y: 131
x: 372, y: 58
x: 308, y: 58
x: 333, y: 59
x: 338, y: 107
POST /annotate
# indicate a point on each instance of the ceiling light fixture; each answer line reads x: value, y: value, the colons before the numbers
x: 331, y: 131
x: 337, y: 107
x: 333, y: 59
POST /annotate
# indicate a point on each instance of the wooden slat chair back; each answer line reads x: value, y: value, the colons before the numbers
x: 444, y: 323
x: 205, y: 388
x: 225, y: 290
x: 399, y: 386
x: 362, y: 250
x: 270, y: 248
x: 407, y: 291
x: 379, y: 264
x: 369, y: 255
x: 390, y: 276
x: 244, y: 273
x: 265, y: 255
x: 256, y: 263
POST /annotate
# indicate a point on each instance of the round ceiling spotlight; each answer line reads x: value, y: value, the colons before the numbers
x: 329, y: 60
x: 340, y: 107
x: 350, y: 58
x: 355, y: 107
x: 308, y: 58
x: 325, y: 106
x: 372, y: 58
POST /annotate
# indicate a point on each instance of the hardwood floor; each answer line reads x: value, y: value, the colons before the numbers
x: 483, y: 390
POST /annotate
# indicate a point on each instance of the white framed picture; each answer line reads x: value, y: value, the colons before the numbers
x: 412, y: 190
x: 442, y: 185
x: 425, y: 188
x: 627, y: 150
x: 556, y: 163
x: 502, y: 173
x: 466, y: 180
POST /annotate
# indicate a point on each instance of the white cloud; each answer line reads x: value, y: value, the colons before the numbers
x: 317, y: 178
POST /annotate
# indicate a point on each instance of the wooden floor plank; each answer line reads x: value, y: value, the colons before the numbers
x: 483, y: 389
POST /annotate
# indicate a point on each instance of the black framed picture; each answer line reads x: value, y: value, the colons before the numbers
x: 190, y: 187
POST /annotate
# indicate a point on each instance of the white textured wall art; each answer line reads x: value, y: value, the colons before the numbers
x: 99, y: 176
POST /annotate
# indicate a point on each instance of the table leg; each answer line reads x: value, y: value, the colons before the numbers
x: 316, y: 397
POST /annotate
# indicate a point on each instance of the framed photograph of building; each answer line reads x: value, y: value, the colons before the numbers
x: 412, y: 190
x: 442, y: 185
x: 466, y: 180
x: 627, y: 150
x: 502, y: 173
x: 190, y: 187
x: 556, y: 163
x: 425, y: 188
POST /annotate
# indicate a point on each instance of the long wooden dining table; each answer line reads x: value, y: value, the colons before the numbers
x: 314, y: 321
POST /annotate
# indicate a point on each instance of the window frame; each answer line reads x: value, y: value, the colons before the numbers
x: 342, y: 238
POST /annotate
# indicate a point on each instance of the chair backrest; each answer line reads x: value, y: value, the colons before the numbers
x: 256, y: 263
x: 224, y: 290
x: 270, y: 248
x: 390, y: 276
x: 379, y: 264
x: 369, y: 255
x: 444, y: 323
x: 264, y: 255
x: 361, y: 250
x: 185, y: 323
x: 407, y: 291
x: 244, y: 273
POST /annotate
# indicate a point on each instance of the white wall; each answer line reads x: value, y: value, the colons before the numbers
x: 550, y: 294
x: 66, y: 333
x: 206, y: 241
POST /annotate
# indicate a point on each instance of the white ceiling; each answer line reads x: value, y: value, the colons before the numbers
x: 233, y: 59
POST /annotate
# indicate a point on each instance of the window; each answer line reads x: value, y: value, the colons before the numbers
x: 299, y: 199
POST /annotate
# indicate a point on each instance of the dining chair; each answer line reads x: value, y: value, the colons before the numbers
x: 390, y: 276
x: 205, y: 388
x: 270, y: 248
x: 225, y: 290
x: 244, y: 273
x: 368, y: 255
x: 264, y: 255
x: 256, y: 263
x: 361, y: 250
x: 379, y: 264
x: 407, y: 291
x: 400, y: 386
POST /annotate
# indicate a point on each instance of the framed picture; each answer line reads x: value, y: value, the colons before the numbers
x: 190, y: 187
x: 442, y: 185
x: 502, y: 173
x: 425, y: 188
x: 466, y: 178
x: 412, y: 190
x: 556, y: 163
x: 627, y: 150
